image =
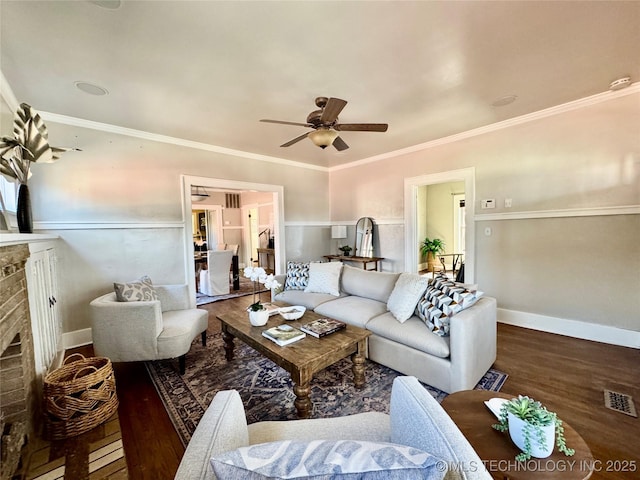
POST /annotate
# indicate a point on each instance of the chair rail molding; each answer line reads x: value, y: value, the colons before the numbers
x: 561, y: 213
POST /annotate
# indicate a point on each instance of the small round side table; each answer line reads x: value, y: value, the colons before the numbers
x: 497, y: 451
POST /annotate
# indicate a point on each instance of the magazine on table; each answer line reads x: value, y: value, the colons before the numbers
x: 283, y: 334
x: 323, y: 327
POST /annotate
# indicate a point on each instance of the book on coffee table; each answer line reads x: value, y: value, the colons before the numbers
x: 271, y: 308
x: 283, y: 334
x: 323, y: 327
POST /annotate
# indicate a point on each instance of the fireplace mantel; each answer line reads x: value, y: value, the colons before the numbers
x: 10, y: 238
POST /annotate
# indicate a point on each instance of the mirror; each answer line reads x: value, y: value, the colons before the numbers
x: 364, y: 238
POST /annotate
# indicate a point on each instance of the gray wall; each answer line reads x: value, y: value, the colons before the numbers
x: 581, y: 266
x: 117, y: 207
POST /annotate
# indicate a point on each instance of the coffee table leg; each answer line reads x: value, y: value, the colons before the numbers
x: 228, y: 345
x: 358, y: 366
x: 303, y: 402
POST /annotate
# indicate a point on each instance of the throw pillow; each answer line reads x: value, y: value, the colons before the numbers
x: 442, y: 300
x: 322, y: 459
x: 297, y: 276
x: 140, y: 290
x: 405, y: 295
x: 324, y: 278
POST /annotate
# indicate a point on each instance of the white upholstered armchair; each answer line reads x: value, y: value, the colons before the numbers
x: 147, y: 330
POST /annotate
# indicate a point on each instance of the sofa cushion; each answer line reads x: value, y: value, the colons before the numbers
x: 368, y: 284
x: 353, y: 310
x: 297, y: 276
x: 300, y: 297
x: 411, y: 333
x: 323, y: 459
x: 140, y: 290
x: 405, y: 295
x: 324, y: 278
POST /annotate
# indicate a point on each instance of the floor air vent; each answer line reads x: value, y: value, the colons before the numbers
x: 619, y: 402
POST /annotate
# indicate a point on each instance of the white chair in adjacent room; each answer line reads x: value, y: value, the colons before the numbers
x: 215, y: 280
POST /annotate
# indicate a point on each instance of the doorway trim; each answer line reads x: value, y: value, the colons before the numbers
x: 411, y: 219
x: 189, y: 181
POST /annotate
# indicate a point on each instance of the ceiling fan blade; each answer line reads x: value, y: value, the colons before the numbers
x: 332, y: 109
x: 361, y: 127
x: 295, y: 140
x: 340, y: 144
x: 287, y: 123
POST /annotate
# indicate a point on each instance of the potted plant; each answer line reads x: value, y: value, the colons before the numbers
x: 258, y: 315
x: 430, y: 249
x: 531, y: 427
x: 345, y: 249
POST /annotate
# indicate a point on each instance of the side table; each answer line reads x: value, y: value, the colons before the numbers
x: 364, y: 261
x: 497, y: 451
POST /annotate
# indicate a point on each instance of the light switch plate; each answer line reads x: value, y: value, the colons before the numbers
x: 488, y: 203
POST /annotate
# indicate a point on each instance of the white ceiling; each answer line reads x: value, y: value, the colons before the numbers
x: 207, y: 71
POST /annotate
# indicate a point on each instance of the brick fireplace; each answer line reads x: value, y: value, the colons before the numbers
x: 18, y: 393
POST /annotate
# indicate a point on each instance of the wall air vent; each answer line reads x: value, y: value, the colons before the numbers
x: 232, y: 200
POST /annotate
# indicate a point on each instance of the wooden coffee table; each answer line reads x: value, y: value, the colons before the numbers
x: 303, y: 358
x: 497, y: 451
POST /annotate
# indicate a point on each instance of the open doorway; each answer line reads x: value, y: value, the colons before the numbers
x: 416, y: 190
x: 276, y: 194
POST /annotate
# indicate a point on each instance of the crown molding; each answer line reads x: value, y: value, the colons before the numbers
x: 530, y: 117
x: 130, y: 132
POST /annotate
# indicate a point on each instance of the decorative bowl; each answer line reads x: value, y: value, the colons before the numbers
x: 292, y: 313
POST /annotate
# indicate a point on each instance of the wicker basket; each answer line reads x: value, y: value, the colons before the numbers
x: 78, y: 396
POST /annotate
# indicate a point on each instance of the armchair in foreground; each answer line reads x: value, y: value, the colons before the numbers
x: 147, y: 330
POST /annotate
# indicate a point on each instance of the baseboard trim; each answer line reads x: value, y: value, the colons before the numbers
x: 77, y: 338
x: 571, y: 328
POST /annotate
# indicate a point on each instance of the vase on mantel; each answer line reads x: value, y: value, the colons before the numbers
x: 23, y: 211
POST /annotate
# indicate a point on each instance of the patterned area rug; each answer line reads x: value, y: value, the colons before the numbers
x: 266, y: 389
x: 246, y: 288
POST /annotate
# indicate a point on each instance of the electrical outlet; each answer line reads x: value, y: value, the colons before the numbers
x: 489, y: 203
x: 507, y: 203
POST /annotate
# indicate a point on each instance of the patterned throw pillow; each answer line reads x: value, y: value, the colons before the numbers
x: 407, y: 292
x: 324, y: 278
x: 442, y: 300
x: 297, y: 276
x: 139, y: 291
x: 323, y: 459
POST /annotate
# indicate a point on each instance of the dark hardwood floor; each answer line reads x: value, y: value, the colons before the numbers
x: 566, y: 374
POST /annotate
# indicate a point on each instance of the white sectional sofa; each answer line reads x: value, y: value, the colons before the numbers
x: 450, y: 363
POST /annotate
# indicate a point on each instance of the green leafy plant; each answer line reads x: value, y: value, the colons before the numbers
x: 345, y: 249
x: 536, y: 416
x: 434, y: 246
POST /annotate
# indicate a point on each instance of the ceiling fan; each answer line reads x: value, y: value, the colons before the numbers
x: 326, y: 127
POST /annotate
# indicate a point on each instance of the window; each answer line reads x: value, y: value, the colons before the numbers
x: 9, y: 192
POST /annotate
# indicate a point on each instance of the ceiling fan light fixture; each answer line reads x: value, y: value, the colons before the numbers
x: 323, y: 137
x: 199, y: 195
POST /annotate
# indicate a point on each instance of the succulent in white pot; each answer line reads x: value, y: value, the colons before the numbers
x: 532, y: 428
